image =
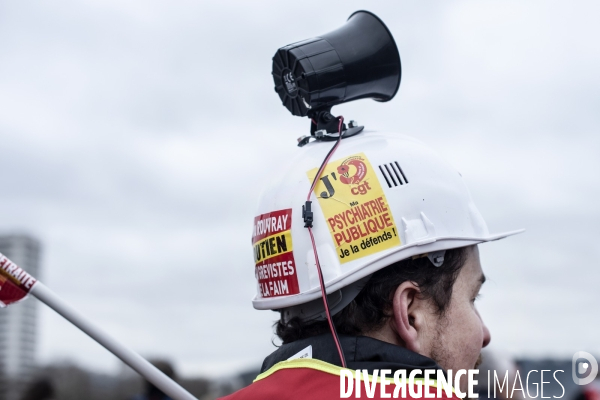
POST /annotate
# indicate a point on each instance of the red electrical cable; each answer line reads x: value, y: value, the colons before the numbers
x: 314, y: 246
x: 326, y: 303
x: 320, y: 171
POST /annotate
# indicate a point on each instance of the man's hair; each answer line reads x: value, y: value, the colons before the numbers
x: 372, y: 307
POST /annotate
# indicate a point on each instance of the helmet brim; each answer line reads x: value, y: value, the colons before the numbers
x: 385, y: 258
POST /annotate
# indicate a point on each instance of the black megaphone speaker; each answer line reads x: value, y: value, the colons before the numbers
x: 356, y: 61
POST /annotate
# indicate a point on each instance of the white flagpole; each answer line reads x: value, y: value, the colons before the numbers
x: 128, y: 356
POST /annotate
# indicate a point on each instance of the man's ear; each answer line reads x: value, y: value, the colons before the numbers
x: 408, y: 316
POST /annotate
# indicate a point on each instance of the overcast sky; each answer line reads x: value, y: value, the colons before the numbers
x: 135, y: 137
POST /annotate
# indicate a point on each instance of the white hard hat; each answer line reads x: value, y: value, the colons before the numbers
x: 382, y: 198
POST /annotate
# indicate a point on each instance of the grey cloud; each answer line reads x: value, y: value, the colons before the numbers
x: 135, y: 138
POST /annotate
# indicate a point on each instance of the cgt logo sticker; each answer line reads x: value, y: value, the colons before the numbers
x: 584, y: 364
x: 360, y: 170
x: 354, y: 205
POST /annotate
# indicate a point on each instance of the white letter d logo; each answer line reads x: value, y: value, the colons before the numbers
x: 581, y: 367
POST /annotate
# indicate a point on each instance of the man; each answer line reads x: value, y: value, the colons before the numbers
x: 394, y: 243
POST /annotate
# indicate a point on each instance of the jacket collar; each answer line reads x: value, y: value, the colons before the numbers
x: 361, y: 352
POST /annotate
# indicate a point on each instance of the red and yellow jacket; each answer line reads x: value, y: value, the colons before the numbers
x: 314, y: 379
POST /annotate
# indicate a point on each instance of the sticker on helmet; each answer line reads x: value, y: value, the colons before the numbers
x: 357, y: 213
x: 272, y: 241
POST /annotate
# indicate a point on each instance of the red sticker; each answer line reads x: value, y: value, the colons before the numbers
x: 275, y: 268
x: 15, y: 283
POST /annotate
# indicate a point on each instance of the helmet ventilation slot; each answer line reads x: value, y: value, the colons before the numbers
x: 393, y: 174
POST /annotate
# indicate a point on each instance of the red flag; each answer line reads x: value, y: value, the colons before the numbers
x: 15, y: 282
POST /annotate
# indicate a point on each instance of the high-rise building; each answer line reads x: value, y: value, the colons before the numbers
x: 18, y: 323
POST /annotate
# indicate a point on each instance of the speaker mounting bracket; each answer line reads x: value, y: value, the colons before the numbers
x: 322, y: 119
x: 325, y: 127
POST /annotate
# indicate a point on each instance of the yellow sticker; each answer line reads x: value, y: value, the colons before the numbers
x: 356, y: 211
